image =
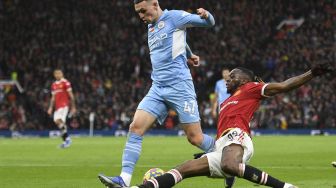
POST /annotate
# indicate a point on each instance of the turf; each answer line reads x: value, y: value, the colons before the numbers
x: 37, y: 162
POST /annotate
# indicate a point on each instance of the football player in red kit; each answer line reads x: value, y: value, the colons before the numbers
x: 61, y: 91
x: 234, y: 147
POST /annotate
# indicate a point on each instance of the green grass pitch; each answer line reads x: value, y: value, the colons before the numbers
x: 37, y: 162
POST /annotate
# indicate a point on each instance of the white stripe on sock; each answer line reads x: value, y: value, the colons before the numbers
x: 266, y: 177
x: 176, y: 174
x: 154, y: 182
x: 262, y: 178
x: 134, y: 151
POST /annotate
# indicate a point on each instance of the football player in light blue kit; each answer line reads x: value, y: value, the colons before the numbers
x: 221, y: 93
x: 172, y: 86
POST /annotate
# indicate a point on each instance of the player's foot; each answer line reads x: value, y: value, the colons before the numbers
x: 66, y: 143
x: 112, y: 182
x: 333, y: 163
x: 229, y: 182
x: 288, y: 185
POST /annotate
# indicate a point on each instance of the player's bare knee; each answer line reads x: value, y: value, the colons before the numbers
x: 136, y: 128
x: 59, y: 122
x: 195, y: 140
x: 229, y: 167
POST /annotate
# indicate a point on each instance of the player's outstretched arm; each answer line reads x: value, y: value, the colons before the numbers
x: 183, y: 19
x: 297, y: 81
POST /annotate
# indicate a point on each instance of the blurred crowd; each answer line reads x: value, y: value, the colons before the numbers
x: 102, y: 48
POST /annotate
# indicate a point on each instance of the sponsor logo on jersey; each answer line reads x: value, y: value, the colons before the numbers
x: 161, y: 24
x: 227, y: 104
x: 157, y: 40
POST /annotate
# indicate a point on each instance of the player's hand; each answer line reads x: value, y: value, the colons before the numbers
x: 194, y: 60
x: 203, y: 13
x: 320, y: 69
x: 49, y: 111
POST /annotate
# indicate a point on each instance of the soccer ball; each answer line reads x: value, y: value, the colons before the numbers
x: 152, y: 173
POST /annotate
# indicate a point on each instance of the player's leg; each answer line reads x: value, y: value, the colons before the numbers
x: 233, y: 163
x: 196, y: 137
x: 60, y: 120
x: 150, y: 109
x: 142, y: 121
x: 191, y: 168
x: 182, y: 98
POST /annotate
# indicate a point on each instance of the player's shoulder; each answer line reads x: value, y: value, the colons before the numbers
x: 177, y: 13
x: 251, y: 85
x: 221, y: 81
x: 65, y: 81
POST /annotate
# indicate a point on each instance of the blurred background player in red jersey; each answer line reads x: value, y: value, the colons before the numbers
x: 61, y: 91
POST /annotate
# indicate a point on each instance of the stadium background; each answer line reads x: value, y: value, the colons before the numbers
x: 102, y: 48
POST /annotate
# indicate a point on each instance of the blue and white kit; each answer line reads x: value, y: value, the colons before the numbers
x: 172, y: 86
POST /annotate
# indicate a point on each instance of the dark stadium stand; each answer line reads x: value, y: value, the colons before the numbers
x: 102, y: 48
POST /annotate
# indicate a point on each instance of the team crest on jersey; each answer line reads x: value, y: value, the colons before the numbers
x: 161, y: 24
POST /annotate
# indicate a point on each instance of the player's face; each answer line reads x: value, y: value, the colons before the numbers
x: 226, y: 74
x: 233, y: 82
x: 58, y: 75
x: 148, y: 11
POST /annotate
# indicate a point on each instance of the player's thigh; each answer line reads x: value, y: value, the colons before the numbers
x: 142, y: 121
x: 231, y: 149
x: 195, y: 167
x: 237, y: 148
x: 181, y: 97
x: 150, y: 109
x: 60, y: 115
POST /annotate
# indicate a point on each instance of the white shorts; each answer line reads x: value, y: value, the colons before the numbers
x: 61, y: 113
x: 234, y: 136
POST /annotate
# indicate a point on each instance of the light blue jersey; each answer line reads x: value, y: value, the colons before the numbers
x: 221, y: 91
x: 172, y: 82
x: 167, y: 45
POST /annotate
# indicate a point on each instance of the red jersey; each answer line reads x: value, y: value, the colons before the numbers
x: 237, y: 110
x: 60, y: 90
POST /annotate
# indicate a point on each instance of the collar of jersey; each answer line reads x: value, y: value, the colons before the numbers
x: 162, y: 16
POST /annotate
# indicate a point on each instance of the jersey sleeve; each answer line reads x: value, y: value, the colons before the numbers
x: 52, y: 88
x: 256, y: 90
x: 217, y: 87
x: 67, y: 85
x: 183, y: 19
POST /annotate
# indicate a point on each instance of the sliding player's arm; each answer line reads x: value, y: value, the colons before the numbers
x: 51, y: 104
x: 296, y: 81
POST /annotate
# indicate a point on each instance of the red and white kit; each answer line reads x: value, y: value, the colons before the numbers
x: 60, y: 90
x: 233, y: 125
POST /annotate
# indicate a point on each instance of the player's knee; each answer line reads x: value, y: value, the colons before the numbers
x: 59, y: 122
x: 136, y: 128
x: 195, y: 140
x: 229, y: 167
